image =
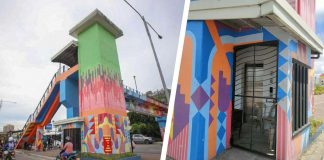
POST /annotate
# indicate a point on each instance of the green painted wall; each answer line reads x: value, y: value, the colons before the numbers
x: 97, y: 46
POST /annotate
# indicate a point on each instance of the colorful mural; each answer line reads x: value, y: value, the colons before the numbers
x: 146, y: 108
x: 139, y: 102
x: 39, y: 138
x: 101, y: 94
x: 201, y: 126
x: 296, y: 144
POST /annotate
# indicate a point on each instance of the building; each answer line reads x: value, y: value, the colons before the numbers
x: 8, y: 128
x: 246, y: 79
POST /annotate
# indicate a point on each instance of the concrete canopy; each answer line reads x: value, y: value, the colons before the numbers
x: 68, y: 55
x: 254, y: 13
x: 96, y: 17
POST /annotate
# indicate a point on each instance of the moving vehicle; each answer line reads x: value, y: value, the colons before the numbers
x: 72, y: 156
x: 9, y: 155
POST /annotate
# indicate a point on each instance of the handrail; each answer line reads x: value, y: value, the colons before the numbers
x: 32, y: 117
x: 127, y: 88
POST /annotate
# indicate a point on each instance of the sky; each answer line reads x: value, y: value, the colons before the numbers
x: 319, y: 64
x: 32, y: 31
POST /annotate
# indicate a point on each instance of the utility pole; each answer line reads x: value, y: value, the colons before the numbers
x: 147, y: 25
x: 135, y: 82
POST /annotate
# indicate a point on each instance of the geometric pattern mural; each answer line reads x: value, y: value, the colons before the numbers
x: 101, y: 94
x: 201, y: 125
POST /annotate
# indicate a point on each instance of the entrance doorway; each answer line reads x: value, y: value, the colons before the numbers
x: 254, y: 98
x: 75, y: 135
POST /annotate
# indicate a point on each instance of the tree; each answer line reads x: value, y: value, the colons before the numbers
x: 144, y: 124
x: 158, y: 95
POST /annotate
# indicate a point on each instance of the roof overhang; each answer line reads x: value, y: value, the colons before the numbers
x: 69, y: 121
x: 96, y: 17
x: 68, y: 55
x: 279, y: 12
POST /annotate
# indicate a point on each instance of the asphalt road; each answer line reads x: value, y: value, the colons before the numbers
x: 146, y: 151
x: 24, y: 156
x: 149, y: 151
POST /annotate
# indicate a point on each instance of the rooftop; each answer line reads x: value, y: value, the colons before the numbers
x: 96, y: 17
x: 257, y: 13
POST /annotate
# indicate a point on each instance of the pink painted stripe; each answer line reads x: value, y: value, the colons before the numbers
x: 177, y: 147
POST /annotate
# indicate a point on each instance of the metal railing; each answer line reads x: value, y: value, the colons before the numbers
x: 141, y: 95
x: 32, y: 117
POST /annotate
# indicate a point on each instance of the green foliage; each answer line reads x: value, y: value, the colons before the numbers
x: 314, y: 125
x: 99, y: 156
x: 144, y: 124
x: 158, y: 95
x: 319, y: 90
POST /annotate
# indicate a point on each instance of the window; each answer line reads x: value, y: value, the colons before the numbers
x: 299, y: 95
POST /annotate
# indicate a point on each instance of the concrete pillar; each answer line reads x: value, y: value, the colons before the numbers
x: 101, y: 95
x: 39, y: 138
x: 161, y: 121
x: 69, y: 96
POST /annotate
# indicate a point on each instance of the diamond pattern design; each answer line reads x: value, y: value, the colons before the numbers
x: 221, y: 132
x: 199, y: 97
x: 221, y: 117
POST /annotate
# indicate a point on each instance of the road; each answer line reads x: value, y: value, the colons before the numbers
x: 149, y: 151
x: 146, y: 151
x: 319, y: 107
x: 25, y: 156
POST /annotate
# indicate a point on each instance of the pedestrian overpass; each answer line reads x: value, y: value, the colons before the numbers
x: 91, y: 89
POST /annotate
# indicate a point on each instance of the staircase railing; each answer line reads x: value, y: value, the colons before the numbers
x: 40, y: 104
x: 128, y: 89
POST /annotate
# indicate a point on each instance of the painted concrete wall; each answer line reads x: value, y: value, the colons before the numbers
x: 161, y: 121
x: 69, y: 97
x: 296, y: 145
x: 102, y: 101
x: 201, y: 127
x: 39, y: 138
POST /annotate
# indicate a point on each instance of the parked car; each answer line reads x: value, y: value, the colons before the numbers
x: 139, y: 138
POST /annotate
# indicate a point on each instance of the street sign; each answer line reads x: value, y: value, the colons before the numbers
x: 49, y: 126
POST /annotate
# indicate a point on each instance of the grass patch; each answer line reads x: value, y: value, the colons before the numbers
x: 314, y: 125
x: 319, y: 90
x: 106, y: 157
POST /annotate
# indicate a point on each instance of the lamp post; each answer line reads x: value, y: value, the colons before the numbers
x: 135, y: 82
x: 54, y: 139
x: 147, y: 25
x: 2, y: 101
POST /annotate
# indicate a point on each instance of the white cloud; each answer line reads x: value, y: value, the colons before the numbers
x: 320, y: 5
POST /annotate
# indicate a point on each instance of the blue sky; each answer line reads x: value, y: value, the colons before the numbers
x: 319, y: 64
x: 32, y: 31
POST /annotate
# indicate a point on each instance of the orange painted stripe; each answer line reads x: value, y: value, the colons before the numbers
x: 52, y: 110
x: 67, y: 73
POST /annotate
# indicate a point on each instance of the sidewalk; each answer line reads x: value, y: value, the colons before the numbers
x: 316, y: 150
x: 240, y: 154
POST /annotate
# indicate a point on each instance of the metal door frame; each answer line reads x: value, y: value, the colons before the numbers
x: 274, y: 43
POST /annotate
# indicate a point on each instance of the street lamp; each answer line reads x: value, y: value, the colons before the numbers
x: 135, y: 82
x: 2, y: 101
x: 147, y: 25
x: 54, y: 139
